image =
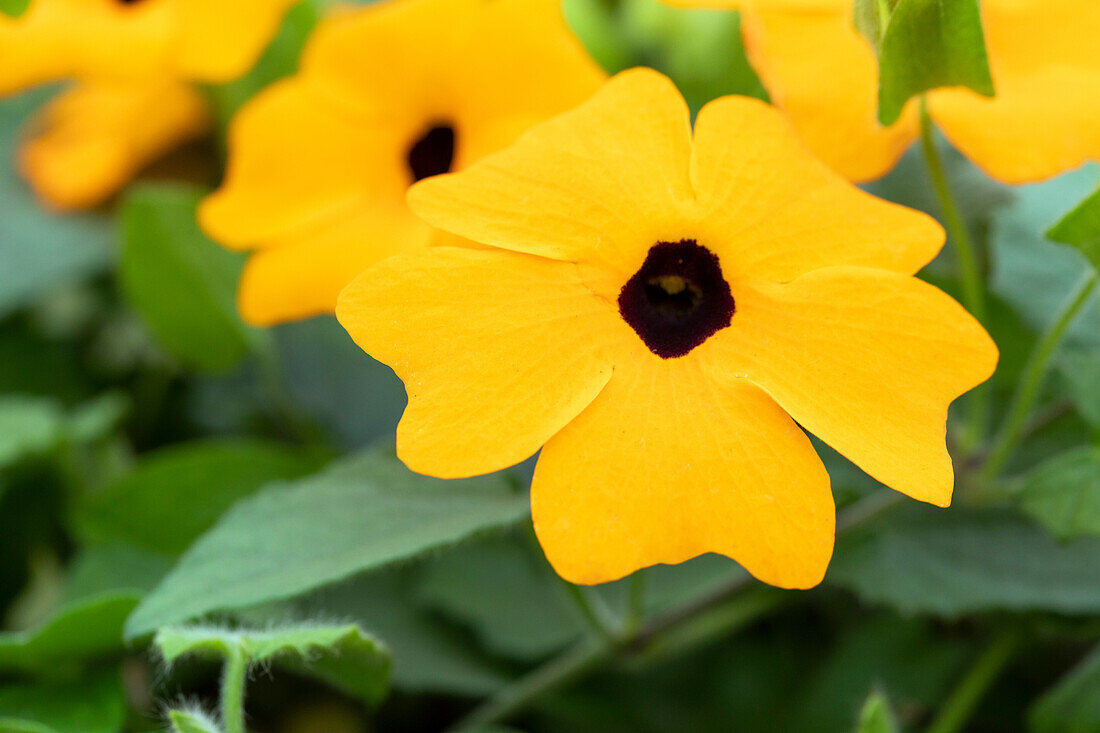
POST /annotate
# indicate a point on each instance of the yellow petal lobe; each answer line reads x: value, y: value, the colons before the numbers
x: 667, y: 464
x: 498, y: 351
x: 777, y: 212
x: 866, y: 360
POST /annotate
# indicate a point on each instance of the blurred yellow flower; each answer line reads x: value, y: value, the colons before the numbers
x: 656, y: 310
x: 199, y: 40
x: 90, y: 140
x: 1043, y: 54
x: 320, y: 163
x: 132, y: 61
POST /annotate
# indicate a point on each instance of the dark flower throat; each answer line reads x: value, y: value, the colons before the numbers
x: 677, y: 299
x: 433, y: 152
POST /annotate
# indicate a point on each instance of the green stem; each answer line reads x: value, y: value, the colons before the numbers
x: 594, y: 618
x: 556, y: 673
x: 967, y: 257
x: 1027, y: 391
x: 233, y: 681
x: 976, y: 682
x: 719, y: 612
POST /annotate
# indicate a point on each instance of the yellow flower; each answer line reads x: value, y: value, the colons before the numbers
x: 90, y: 140
x: 656, y: 310
x: 386, y: 95
x: 201, y: 40
x: 1043, y: 55
x: 132, y: 60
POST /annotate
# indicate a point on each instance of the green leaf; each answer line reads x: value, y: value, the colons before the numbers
x: 84, y: 630
x: 40, y: 250
x: 1033, y: 274
x: 175, y: 494
x: 871, y: 18
x: 951, y: 562
x: 507, y: 593
x: 1063, y: 493
x: 1081, y: 372
x: 360, y: 514
x: 192, y: 721
x: 113, y: 568
x: 876, y: 716
x: 343, y: 656
x: 928, y: 44
x: 427, y: 655
x: 182, y: 284
x: 1073, y: 704
x: 94, y: 704
x: 14, y: 8
x: 28, y: 426
x: 1080, y: 228
x: 97, y: 417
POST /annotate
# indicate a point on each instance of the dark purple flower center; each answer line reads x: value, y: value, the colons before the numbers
x: 433, y: 152
x: 677, y: 299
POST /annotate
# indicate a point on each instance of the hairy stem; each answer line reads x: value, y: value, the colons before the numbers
x: 966, y: 255
x: 1027, y: 391
x: 233, y: 682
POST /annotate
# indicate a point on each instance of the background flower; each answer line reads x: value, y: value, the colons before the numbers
x: 319, y: 164
x: 1043, y: 57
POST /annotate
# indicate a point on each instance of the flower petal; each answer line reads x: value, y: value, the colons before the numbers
x: 824, y: 76
x: 667, y: 464
x: 302, y: 276
x: 603, y: 182
x: 219, y: 40
x: 298, y: 161
x: 497, y: 351
x: 90, y: 140
x: 866, y: 360
x: 776, y: 212
x: 59, y: 39
x: 1046, y: 68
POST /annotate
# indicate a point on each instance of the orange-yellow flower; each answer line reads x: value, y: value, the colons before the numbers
x: 1043, y: 56
x: 386, y: 95
x: 90, y: 140
x: 656, y: 310
x: 200, y: 40
x: 133, y: 61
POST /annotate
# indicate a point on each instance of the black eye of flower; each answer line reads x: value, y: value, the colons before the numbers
x: 433, y: 153
x: 677, y: 299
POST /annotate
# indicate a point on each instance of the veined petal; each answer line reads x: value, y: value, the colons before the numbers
x: 497, y: 350
x: 1046, y: 68
x: 90, y: 140
x: 299, y: 160
x: 667, y: 464
x: 302, y: 276
x: 775, y: 212
x: 600, y: 183
x: 866, y: 360
x: 824, y: 76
